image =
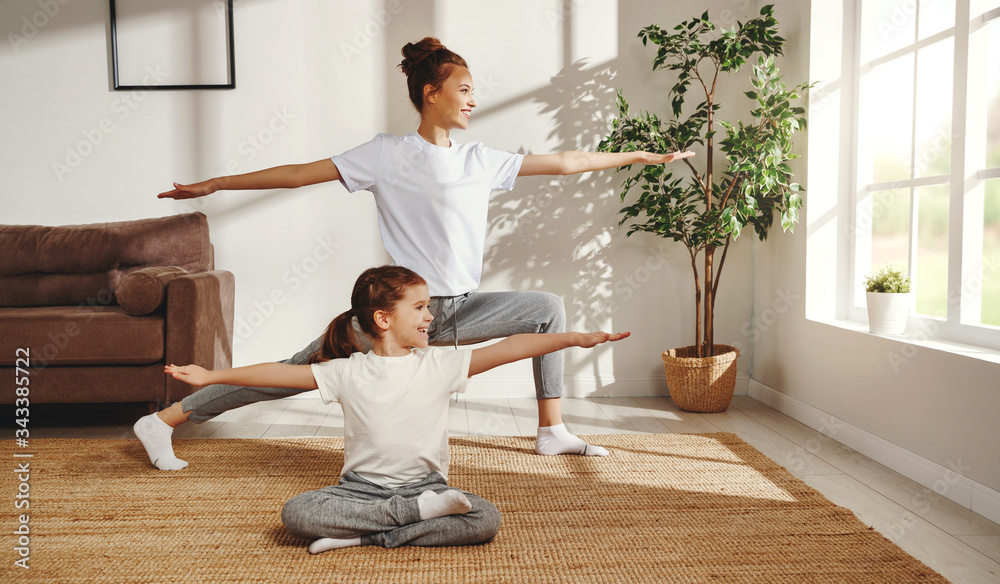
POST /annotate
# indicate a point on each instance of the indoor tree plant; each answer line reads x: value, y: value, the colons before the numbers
x: 703, y: 210
x: 888, y: 299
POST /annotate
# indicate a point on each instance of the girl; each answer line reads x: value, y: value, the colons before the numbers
x: 432, y: 196
x: 393, y: 488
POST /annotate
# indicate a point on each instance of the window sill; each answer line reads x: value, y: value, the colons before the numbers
x: 920, y: 339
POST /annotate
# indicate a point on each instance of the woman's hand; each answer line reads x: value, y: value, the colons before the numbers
x: 588, y: 340
x: 653, y: 158
x: 190, y: 374
x: 191, y: 191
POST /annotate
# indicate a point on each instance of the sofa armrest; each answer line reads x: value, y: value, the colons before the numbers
x: 199, y: 323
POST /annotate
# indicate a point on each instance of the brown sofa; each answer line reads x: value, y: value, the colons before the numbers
x: 101, y: 308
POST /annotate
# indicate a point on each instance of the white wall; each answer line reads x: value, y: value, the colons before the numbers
x: 315, y: 78
x: 936, y: 404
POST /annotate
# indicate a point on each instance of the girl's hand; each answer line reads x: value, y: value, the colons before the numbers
x: 653, y: 158
x: 191, y: 191
x: 190, y: 374
x: 588, y: 340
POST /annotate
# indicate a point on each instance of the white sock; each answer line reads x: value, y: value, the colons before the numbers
x: 450, y: 502
x: 155, y: 434
x: 325, y: 544
x: 556, y: 439
x: 429, y: 503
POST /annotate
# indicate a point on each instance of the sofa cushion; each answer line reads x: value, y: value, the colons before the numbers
x: 69, y: 335
x: 143, y: 291
x: 83, y: 264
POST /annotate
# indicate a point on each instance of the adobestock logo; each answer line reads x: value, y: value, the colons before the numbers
x: 122, y: 107
x: 902, y: 14
x: 31, y: 26
x: 624, y: 288
x: 928, y: 328
x: 365, y: 34
x: 248, y: 149
x: 293, y: 278
x: 255, y: 143
x: 784, y: 300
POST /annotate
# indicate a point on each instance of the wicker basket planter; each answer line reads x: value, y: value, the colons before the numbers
x: 701, y: 384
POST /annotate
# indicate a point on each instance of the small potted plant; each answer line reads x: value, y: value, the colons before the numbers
x: 888, y: 300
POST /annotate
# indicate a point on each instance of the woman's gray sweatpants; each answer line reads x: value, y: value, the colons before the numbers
x: 475, y: 316
x: 387, y: 517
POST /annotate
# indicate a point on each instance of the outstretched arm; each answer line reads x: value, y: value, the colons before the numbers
x: 289, y: 176
x: 572, y: 162
x: 261, y: 375
x: 528, y: 345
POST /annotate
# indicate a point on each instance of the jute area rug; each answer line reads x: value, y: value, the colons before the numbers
x: 661, y: 508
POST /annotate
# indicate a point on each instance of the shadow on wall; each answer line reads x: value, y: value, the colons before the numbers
x: 555, y: 233
x: 554, y: 225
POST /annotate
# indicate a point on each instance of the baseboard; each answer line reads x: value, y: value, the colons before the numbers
x: 945, y: 481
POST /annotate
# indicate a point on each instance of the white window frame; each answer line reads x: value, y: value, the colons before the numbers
x: 965, y: 261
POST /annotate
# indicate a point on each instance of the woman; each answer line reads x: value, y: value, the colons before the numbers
x: 432, y: 197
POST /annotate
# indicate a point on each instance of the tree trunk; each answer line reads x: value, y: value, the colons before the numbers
x: 709, y: 250
x: 697, y: 305
x: 709, y: 302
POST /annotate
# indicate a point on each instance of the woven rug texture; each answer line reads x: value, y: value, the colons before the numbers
x: 661, y: 508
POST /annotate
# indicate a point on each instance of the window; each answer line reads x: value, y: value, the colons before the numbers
x: 926, y: 162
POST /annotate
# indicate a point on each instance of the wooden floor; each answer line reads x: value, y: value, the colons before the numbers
x: 961, y: 545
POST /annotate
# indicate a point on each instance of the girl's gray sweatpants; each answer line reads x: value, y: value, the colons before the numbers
x: 387, y: 517
x: 474, y: 316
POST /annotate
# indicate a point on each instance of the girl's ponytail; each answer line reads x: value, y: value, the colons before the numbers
x: 339, y: 340
x: 377, y: 289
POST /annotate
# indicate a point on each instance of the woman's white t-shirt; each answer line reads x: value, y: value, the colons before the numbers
x: 395, y: 411
x: 432, y: 202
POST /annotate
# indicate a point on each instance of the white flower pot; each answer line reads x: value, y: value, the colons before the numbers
x: 887, y: 312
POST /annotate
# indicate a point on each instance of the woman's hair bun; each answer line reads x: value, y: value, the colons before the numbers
x: 418, y: 52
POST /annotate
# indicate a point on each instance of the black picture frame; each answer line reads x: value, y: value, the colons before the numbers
x: 231, y: 57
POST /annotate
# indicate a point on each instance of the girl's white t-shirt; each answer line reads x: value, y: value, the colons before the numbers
x: 395, y: 411
x: 432, y: 202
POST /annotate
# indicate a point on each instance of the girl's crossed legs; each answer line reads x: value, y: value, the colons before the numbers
x: 359, y: 512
